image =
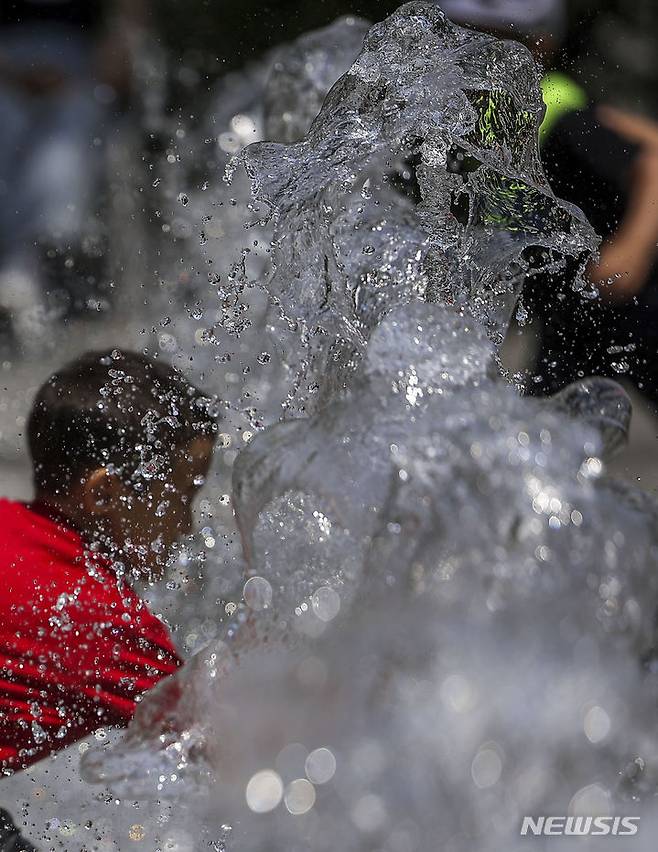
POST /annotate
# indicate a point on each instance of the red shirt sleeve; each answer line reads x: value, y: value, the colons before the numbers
x: 86, y: 665
x: 117, y: 651
x: 78, y: 648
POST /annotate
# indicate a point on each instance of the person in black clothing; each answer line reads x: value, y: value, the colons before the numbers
x: 606, y: 162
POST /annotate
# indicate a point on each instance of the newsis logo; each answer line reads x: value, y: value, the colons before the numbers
x: 580, y: 826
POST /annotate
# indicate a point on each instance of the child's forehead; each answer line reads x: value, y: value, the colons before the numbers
x: 188, y: 468
x: 199, y: 449
x: 194, y: 456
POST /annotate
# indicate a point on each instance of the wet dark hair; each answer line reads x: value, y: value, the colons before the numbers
x: 118, y: 409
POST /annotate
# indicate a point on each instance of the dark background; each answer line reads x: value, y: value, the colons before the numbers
x: 611, y: 46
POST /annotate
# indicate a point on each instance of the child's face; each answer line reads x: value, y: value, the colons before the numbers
x: 146, y: 524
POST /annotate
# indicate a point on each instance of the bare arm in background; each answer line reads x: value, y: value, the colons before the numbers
x: 628, y: 255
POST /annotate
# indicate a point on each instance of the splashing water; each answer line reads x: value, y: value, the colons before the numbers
x: 448, y: 601
x: 452, y: 116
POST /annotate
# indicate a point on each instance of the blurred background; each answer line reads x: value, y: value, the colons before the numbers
x: 117, y: 120
x: 609, y: 44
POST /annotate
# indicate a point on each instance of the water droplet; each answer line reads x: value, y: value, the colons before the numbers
x: 326, y: 603
x: 320, y: 766
x: 257, y: 593
x: 136, y: 832
x: 596, y: 724
x: 264, y: 791
x: 486, y: 768
x: 299, y: 796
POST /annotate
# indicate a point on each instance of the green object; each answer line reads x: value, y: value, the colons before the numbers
x: 561, y: 96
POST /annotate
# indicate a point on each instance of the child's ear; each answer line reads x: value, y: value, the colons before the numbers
x: 100, y: 492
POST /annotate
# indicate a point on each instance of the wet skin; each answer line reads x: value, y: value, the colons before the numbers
x: 138, y: 523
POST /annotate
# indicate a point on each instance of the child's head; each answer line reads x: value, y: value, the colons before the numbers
x: 120, y: 444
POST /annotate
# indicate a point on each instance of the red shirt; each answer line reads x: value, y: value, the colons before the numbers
x: 77, y: 645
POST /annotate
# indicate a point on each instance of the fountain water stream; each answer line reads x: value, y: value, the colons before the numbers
x: 448, y: 601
